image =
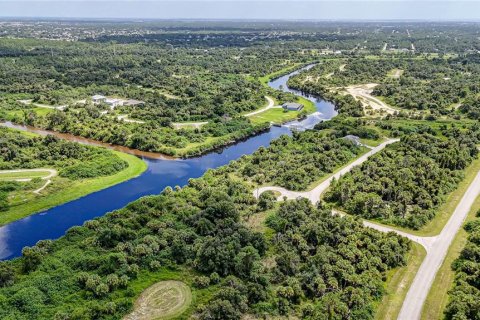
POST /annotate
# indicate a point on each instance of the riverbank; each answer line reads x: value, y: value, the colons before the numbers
x: 261, y: 122
x: 75, y: 190
x: 162, y: 173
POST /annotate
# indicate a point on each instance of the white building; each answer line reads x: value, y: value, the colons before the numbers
x: 114, y: 102
x: 98, y: 99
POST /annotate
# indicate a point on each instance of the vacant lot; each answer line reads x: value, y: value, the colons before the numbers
x: 163, y: 300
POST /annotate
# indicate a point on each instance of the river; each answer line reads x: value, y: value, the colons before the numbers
x: 54, y: 222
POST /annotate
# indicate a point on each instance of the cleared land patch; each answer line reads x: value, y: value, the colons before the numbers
x: 28, y: 175
x: 163, y: 300
x: 395, y: 73
x: 363, y: 94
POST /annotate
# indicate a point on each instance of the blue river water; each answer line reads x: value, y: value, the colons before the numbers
x: 54, y: 222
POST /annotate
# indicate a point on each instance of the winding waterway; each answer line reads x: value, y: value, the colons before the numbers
x: 54, y: 222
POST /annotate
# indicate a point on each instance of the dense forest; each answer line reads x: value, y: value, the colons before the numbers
x: 438, y: 85
x: 75, y: 161
x: 465, y: 296
x: 194, y: 83
x: 93, y: 272
x: 295, y: 162
x: 175, y: 85
x: 405, y: 183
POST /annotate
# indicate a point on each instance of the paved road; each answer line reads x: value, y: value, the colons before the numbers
x: 436, y: 247
x: 413, y: 303
x: 270, y: 105
x: 314, y: 194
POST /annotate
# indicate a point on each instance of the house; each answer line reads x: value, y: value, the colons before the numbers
x: 354, y: 139
x: 114, y: 102
x: 292, y: 106
x: 133, y: 103
x: 98, y: 99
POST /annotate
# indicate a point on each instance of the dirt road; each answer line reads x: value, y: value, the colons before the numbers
x: 363, y: 93
x: 52, y: 173
x: 270, y: 105
x: 314, y: 194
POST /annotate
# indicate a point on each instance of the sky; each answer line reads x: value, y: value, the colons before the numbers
x: 246, y: 9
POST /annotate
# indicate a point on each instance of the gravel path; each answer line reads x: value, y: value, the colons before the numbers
x: 52, y: 173
x: 270, y: 105
x: 314, y: 194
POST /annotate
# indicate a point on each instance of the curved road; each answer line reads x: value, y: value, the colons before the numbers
x: 436, y: 246
x: 364, y: 94
x: 314, y: 194
x: 52, y: 173
x: 270, y: 105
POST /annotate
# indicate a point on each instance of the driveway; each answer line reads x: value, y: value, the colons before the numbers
x: 270, y: 105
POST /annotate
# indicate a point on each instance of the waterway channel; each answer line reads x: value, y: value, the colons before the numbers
x: 161, y: 172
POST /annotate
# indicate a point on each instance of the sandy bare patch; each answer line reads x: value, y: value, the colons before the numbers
x: 163, y: 300
x: 363, y: 93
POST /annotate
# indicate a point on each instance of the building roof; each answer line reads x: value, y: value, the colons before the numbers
x: 98, y: 97
x: 354, y: 139
x: 112, y: 100
x: 292, y: 104
x: 133, y: 102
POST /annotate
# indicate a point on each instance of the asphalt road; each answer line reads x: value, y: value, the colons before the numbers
x: 436, y: 247
x: 436, y: 253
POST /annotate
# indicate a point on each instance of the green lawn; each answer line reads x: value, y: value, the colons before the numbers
x: 5, y: 176
x: 279, y: 116
x: 38, y: 110
x: 371, y: 142
x: 74, y: 190
x: 146, y: 279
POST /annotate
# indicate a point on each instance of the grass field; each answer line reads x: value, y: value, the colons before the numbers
x: 74, y: 190
x: 397, y: 284
x: 395, y: 73
x: 6, y: 176
x: 164, y: 300
x: 38, y: 110
x: 278, y: 116
x: 147, y: 279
